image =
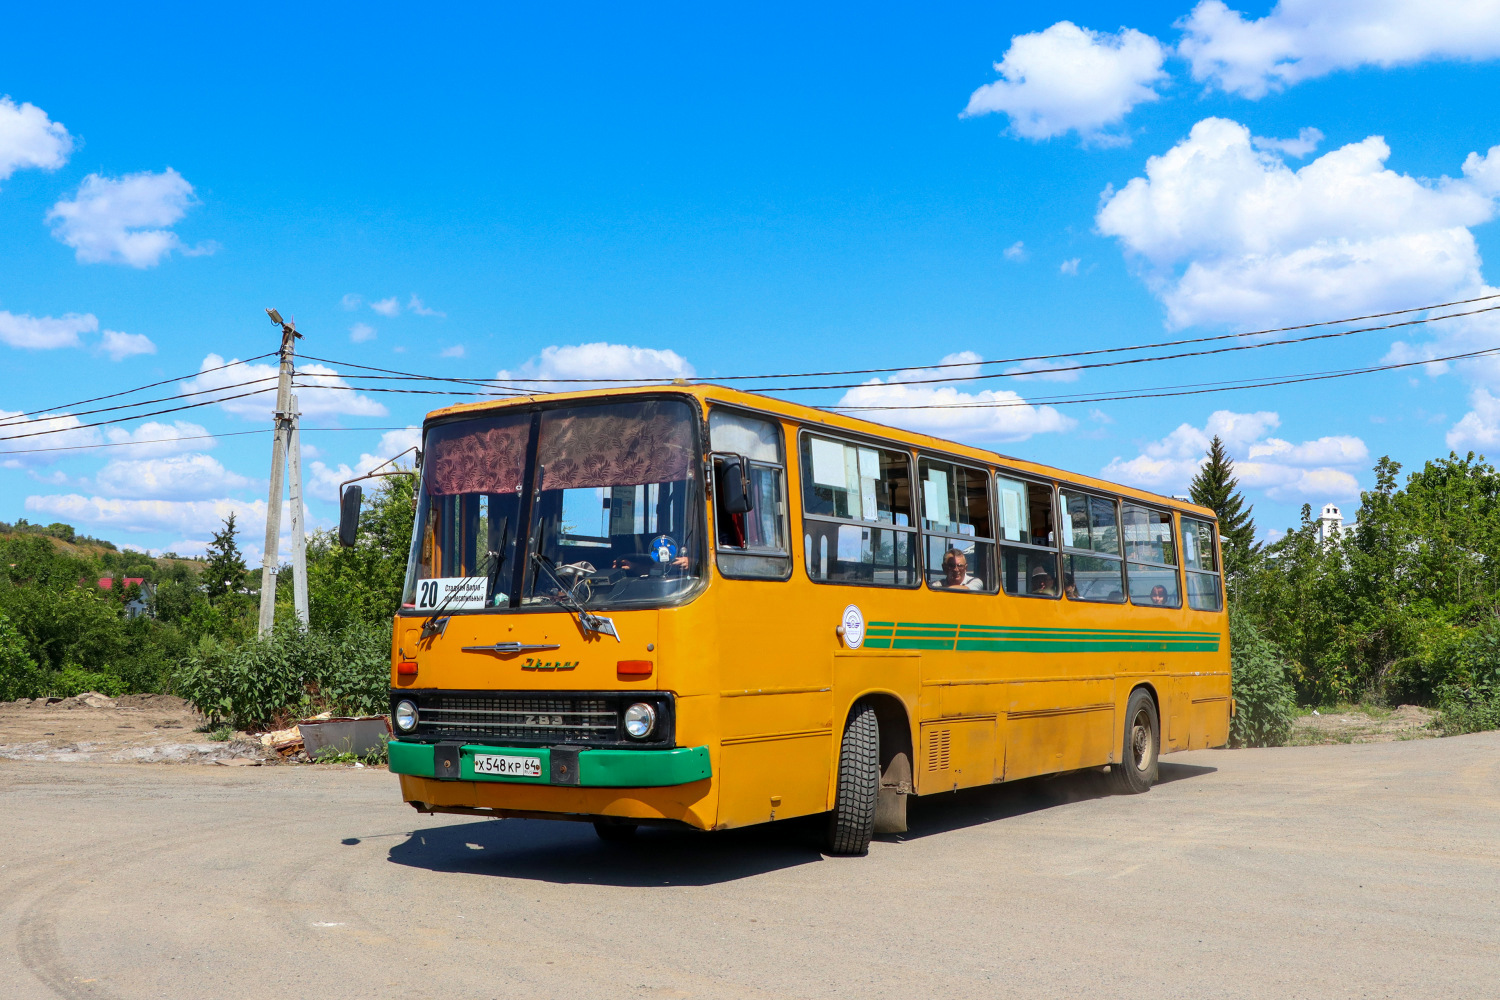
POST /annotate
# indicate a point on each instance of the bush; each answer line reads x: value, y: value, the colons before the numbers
x: 1467, y: 710
x: 290, y: 674
x: 1264, y: 699
x: 19, y: 675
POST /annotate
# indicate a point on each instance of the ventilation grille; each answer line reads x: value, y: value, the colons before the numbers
x: 939, y: 749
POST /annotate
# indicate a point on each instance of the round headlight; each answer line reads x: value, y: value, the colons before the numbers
x: 406, y: 716
x: 640, y: 720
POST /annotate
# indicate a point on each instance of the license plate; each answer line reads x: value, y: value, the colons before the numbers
x: 525, y: 767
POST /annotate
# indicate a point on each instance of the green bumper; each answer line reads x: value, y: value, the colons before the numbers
x: 596, y: 768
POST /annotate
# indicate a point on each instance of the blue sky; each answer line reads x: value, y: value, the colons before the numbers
x: 617, y: 193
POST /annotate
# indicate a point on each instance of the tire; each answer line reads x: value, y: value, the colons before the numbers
x: 1140, y: 748
x: 851, y: 823
x: 615, y: 833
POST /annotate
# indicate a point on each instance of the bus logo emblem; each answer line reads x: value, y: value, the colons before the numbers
x: 852, y: 628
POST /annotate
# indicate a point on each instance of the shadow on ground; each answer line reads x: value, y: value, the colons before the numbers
x: 571, y: 853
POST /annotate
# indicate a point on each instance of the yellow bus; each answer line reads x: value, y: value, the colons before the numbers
x: 691, y: 605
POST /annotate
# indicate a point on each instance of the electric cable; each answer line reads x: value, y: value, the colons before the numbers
x: 139, y: 388
x: 188, y: 437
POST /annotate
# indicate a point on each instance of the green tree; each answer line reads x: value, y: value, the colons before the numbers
x: 1216, y: 488
x: 225, y: 573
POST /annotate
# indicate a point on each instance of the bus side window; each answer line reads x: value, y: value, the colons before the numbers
x: 1200, y: 559
x: 956, y: 530
x: 1151, y: 557
x: 1028, y: 538
x: 1092, y: 569
x: 753, y: 543
x: 856, y: 501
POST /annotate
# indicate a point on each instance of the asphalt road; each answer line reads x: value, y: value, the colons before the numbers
x: 1339, y: 871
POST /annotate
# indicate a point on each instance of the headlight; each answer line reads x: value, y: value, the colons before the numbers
x: 406, y: 716
x: 640, y: 720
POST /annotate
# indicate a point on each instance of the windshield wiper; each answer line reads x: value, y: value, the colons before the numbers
x: 568, y: 601
x: 497, y: 559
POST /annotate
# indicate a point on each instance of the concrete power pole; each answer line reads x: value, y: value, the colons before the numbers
x: 299, y: 531
x: 283, y: 425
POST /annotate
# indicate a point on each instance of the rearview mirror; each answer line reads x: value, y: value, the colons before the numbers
x: 734, y: 486
x: 349, y: 514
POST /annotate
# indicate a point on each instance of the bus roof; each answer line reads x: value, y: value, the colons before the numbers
x: 809, y: 415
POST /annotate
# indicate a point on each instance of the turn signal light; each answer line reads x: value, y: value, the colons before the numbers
x: 634, y: 668
x: 406, y: 669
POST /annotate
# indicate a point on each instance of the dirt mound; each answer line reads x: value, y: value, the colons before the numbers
x: 1363, y: 724
x: 137, y: 728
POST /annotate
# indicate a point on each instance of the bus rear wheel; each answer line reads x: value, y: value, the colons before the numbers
x: 852, y: 821
x: 1136, y: 770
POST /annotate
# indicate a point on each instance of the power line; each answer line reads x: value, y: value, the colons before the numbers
x: 995, y: 361
x: 137, y: 416
x: 148, y: 402
x: 174, y: 440
x: 1152, y: 394
x: 126, y: 392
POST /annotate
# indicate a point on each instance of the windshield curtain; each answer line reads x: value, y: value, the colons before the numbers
x: 615, y: 518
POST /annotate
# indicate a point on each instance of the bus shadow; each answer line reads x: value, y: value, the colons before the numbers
x: 945, y: 812
x: 571, y: 853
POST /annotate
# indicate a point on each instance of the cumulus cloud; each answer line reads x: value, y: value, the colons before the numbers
x: 946, y: 411
x: 120, y: 346
x: 153, y: 438
x: 1069, y: 266
x: 416, y: 306
x: 1016, y: 251
x: 323, y: 479
x: 1480, y: 427
x: 1072, y: 79
x: 28, y: 138
x: 320, y: 390
x: 1311, y: 470
x: 125, y: 220
x: 387, y: 307
x: 28, y: 451
x: 1228, y: 234
x: 189, y: 476
x: 351, y: 302
x: 1307, y: 140
x: 45, y: 333
x: 361, y: 332
x: 1302, y: 39
x: 597, y: 361
x: 193, y: 521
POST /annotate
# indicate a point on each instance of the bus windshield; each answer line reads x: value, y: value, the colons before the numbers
x: 615, y: 520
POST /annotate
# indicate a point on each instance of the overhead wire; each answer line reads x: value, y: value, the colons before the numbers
x: 125, y: 392
x: 149, y: 442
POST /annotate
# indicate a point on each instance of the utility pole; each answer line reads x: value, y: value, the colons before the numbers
x: 299, y: 532
x: 283, y: 424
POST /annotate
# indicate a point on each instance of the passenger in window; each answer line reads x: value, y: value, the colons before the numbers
x: 956, y: 574
x: 1159, y: 596
x: 1070, y: 586
x: 1042, y: 582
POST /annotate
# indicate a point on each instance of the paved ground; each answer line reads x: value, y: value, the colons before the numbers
x: 1336, y: 871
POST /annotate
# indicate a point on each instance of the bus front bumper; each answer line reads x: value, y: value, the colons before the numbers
x: 567, y: 766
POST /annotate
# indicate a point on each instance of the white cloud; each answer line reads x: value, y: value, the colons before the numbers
x: 361, y: 332
x: 943, y: 411
x: 598, y: 361
x: 1480, y: 427
x: 1226, y: 234
x: 125, y: 220
x: 153, y: 438
x: 323, y: 480
x: 1312, y: 469
x: 193, y: 520
x: 25, y: 452
x: 320, y: 390
x: 387, y: 307
x: 28, y: 138
x: 1016, y: 251
x: 1303, y: 39
x: 1071, y: 79
x: 416, y: 306
x: 1069, y: 266
x: 181, y: 477
x: 1307, y: 140
x: 120, y: 346
x: 351, y: 302
x: 456, y: 351
x: 45, y: 333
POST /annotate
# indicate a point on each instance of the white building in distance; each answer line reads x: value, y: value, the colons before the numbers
x: 1331, y: 524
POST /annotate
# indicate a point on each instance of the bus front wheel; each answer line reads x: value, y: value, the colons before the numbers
x: 1135, y: 772
x: 852, y: 821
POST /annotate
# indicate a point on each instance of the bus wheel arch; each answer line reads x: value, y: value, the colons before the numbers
x: 896, y: 757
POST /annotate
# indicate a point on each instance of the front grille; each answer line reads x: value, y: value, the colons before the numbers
x: 533, y: 718
x: 559, y: 719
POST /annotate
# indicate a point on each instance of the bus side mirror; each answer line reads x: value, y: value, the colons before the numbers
x: 734, y: 486
x: 349, y: 515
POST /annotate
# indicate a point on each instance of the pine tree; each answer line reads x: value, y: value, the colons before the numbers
x: 1216, y: 488
x: 225, y: 573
